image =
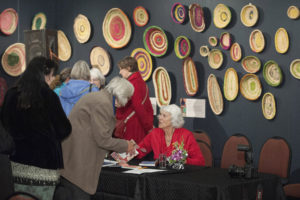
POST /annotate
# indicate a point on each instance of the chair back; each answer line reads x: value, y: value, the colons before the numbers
x: 207, y: 153
x: 275, y: 157
x: 22, y: 196
x: 202, y: 136
x: 292, y: 190
x: 230, y: 154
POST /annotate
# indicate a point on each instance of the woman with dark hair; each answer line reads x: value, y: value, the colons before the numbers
x: 61, y: 80
x: 33, y: 116
x: 138, y: 111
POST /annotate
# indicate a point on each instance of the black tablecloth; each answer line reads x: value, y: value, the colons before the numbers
x: 194, y: 182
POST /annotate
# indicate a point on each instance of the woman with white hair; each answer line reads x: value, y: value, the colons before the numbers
x: 93, y: 122
x: 97, y: 78
x: 77, y: 86
x: 160, y: 140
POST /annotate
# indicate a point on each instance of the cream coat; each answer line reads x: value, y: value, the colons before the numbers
x: 93, y: 121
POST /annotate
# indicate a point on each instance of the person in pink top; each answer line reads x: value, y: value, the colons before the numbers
x: 160, y: 140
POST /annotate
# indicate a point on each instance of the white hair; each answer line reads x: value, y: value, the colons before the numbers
x: 121, y: 88
x: 176, y: 115
x: 80, y: 70
x: 96, y: 74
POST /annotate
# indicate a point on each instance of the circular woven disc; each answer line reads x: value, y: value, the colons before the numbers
x: 257, y: 41
x: 204, y: 51
x: 268, y: 105
x: 196, y: 17
x: 293, y: 12
x: 178, y: 13
x: 249, y: 15
x: 295, y: 68
x: 162, y: 86
x: 250, y: 87
x: 272, y: 73
x: 281, y: 40
x: 14, y: 59
x: 155, y: 41
x: 251, y: 64
x: 100, y: 59
x: 144, y: 61
x: 39, y: 21
x: 64, y: 47
x: 213, y: 41
x: 8, y: 21
x: 140, y: 16
x: 116, y: 28
x: 215, y: 58
x: 82, y: 28
x: 222, y: 16
x: 182, y: 47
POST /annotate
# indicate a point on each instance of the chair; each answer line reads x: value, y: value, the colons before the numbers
x: 292, y: 190
x: 203, y: 136
x: 230, y: 154
x: 22, y: 196
x: 207, y: 153
x: 275, y: 158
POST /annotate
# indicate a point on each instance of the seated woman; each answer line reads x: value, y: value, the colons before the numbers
x: 160, y: 140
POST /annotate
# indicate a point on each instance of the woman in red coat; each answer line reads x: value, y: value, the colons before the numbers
x: 160, y: 140
x: 141, y: 122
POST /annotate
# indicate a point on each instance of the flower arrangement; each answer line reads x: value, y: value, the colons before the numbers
x: 178, y: 157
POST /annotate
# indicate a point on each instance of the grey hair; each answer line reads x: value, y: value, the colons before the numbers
x: 80, y: 70
x: 97, y: 75
x: 121, y: 88
x: 176, y: 115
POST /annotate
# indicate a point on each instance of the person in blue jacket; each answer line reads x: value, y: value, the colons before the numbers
x: 77, y: 86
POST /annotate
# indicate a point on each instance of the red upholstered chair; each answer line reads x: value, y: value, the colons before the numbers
x: 230, y: 154
x: 203, y: 136
x: 275, y: 158
x: 207, y: 153
x: 292, y: 190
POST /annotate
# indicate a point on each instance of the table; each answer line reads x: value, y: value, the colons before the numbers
x: 199, y: 183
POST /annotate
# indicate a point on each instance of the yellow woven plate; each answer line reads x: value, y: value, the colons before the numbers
x: 64, y: 47
x: 236, y: 52
x: 249, y: 15
x: 268, y: 105
x: 250, y: 87
x: 231, y: 84
x: 295, y: 68
x: 257, y: 41
x: 222, y: 16
x: 82, y: 28
x: 215, y: 96
x: 162, y: 86
x: 281, y: 41
x: 293, y: 12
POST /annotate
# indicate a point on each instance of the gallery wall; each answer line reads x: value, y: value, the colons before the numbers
x: 239, y: 116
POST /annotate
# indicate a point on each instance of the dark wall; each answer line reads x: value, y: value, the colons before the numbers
x: 239, y: 116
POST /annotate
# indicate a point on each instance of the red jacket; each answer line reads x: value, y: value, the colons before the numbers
x: 155, y: 141
x: 142, y: 121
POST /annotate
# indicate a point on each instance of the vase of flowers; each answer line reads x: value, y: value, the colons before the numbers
x: 178, y: 157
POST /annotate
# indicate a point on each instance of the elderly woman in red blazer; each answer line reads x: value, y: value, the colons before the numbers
x: 141, y: 122
x: 160, y: 140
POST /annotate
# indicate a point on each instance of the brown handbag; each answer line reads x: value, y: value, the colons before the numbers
x: 120, y: 127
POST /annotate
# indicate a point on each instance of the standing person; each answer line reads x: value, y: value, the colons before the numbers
x: 160, y: 140
x: 93, y: 122
x: 141, y: 122
x: 77, y: 86
x: 62, y: 79
x: 33, y: 116
x: 97, y: 78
